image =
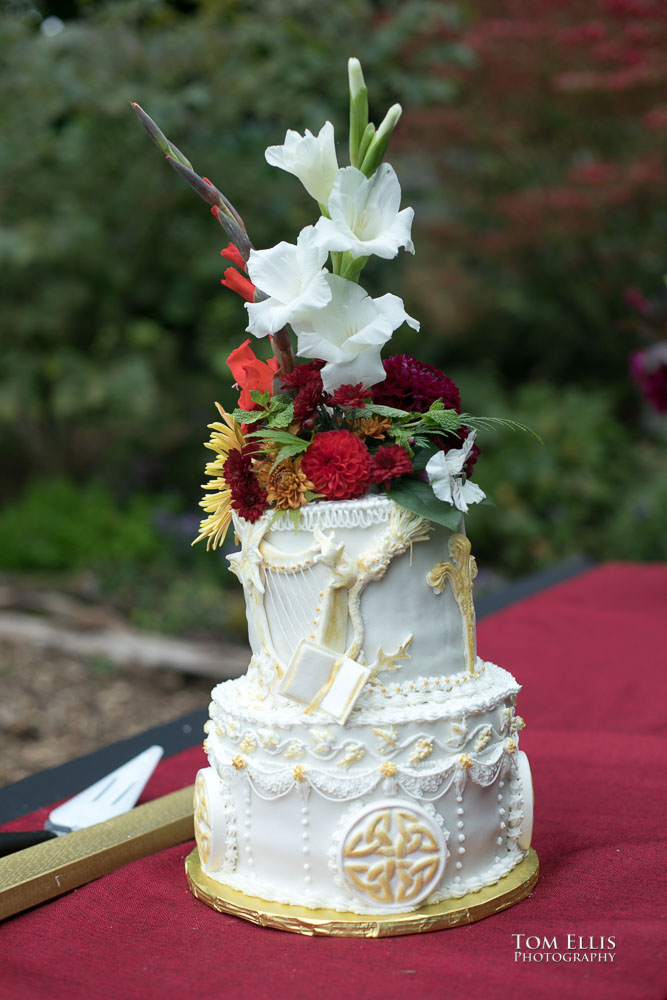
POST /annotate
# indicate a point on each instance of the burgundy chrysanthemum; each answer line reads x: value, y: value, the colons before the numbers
x: 248, y: 497
x: 338, y: 465
x: 310, y: 394
x: 413, y: 385
x: 389, y: 462
x: 351, y: 395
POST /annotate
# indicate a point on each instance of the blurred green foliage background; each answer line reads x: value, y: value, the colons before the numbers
x: 533, y: 151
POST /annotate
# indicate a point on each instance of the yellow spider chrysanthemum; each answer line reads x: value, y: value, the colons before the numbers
x: 225, y: 437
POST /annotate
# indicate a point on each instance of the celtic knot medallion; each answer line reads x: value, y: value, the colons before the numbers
x: 392, y: 855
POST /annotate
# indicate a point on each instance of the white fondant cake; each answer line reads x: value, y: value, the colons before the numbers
x: 368, y: 762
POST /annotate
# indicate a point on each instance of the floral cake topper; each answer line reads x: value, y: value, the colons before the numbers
x: 344, y: 421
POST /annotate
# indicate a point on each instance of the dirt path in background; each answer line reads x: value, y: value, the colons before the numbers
x: 54, y: 707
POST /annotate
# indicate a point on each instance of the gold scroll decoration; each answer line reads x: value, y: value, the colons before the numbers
x: 202, y: 820
x: 460, y: 572
x: 393, y: 856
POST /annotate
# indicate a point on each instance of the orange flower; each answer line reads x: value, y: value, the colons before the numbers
x: 286, y: 485
x: 250, y: 373
x: 372, y: 427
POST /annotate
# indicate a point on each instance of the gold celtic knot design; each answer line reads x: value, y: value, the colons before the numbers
x: 202, y: 820
x: 393, y: 855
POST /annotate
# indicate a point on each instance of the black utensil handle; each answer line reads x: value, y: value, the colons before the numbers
x: 11, y: 842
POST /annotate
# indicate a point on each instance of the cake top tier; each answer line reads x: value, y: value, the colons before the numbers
x: 367, y: 591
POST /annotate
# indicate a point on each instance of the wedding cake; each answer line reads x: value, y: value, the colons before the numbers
x: 368, y: 762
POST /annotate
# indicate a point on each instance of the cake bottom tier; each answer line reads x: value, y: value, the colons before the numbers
x: 508, y: 891
x: 386, y: 839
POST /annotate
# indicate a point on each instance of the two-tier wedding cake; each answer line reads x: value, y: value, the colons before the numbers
x: 368, y: 763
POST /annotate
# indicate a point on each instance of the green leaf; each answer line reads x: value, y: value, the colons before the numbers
x: 281, y: 417
x: 445, y: 420
x: 493, y: 423
x: 260, y: 398
x: 248, y: 416
x: 386, y: 411
x: 288, y: 451
x: 295, y: 517
x: 417, y: 496
x: 281, y: 437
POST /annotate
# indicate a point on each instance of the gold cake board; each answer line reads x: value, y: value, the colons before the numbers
x: 510, y: 889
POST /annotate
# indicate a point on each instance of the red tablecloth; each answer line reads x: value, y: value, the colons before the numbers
x: 590, y: 654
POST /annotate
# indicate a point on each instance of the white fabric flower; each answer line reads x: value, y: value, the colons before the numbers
x: 444, y: 475
x: 310, y: 158
x: 294, y: 279
x: 348, y: 333
x: 365, y: 217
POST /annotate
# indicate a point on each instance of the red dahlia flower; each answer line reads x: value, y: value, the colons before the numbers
x: 389, y: 462
x: 338, y: 465
x: 413, y: 385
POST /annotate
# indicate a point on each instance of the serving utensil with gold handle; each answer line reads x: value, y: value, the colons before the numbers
x: 40, y: 873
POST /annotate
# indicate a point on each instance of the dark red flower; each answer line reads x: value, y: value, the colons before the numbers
x: 248, y: 497
x: 389, y: 462
x: 413, y: 385
x: 310, y: 394
x: 351, y: 395
x: 338, y: 465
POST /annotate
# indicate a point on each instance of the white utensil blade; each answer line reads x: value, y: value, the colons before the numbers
x: 112, y: 795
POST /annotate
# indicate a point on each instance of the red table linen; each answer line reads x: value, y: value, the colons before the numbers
x: 590, y: 654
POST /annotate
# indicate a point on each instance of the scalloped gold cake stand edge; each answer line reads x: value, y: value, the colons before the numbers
x: 510, y: 889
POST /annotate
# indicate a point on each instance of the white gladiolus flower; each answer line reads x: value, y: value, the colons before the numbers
x: 365, y: 217
x: 444, y: 475
x: 310, y: 158
x: 348, y: 333
x: 293, y: 277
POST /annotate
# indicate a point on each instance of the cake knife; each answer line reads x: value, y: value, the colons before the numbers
x: 112, y: 795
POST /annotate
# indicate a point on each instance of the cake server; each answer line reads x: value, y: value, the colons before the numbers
x: 112, y: 795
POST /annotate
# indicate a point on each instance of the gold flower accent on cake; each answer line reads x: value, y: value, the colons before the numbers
x: 238, y: 763
x: 423, y: 748
x: 394, y: 855
x: 294, y: 750
x: 354, y: 753
x: 286, y: 485
x: 510, y: 746
x: 299, y: 773
x: 226, y: 437
x: 388, y: 768
x: 465, y: 762
x: 518, y: 724
x: 247, y: 744
x: 483, y: 739
x: 202, y: 820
